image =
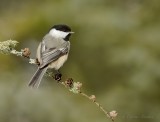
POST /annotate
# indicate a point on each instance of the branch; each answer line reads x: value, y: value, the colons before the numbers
x: 8, y: 47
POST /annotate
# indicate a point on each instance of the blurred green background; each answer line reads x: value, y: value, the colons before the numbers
x: 114, y: 52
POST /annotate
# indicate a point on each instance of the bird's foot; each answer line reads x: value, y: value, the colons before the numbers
x: 58, y: 77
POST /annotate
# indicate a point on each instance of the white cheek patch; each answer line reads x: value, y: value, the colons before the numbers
x: 58, y: 34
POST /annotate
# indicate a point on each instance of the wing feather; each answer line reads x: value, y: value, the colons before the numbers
x: 53, y: 55
x: 50, y: 51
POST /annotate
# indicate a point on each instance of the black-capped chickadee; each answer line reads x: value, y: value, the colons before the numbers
x: 52, y: 52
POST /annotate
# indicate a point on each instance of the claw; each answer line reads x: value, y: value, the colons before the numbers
x: 58, y: 76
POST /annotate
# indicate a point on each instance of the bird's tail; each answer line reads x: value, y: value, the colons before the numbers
x: 37, y: 77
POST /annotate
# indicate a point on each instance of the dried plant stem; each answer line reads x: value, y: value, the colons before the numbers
x: 99, y: 105
x: 92, y: 98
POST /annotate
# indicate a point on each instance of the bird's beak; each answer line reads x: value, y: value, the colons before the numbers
x: 71, y: 32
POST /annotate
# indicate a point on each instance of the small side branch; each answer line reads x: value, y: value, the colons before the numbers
x: 75, y: 87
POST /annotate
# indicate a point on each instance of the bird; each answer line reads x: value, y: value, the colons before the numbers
x: 52, y: 52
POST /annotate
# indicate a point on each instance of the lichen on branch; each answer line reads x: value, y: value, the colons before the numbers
x: 8, y: 46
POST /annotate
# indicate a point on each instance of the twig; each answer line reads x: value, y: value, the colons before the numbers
x: 92, y: 97
x: 77, y: 89
x: 7, y: 47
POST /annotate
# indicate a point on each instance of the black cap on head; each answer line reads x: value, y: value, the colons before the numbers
x: 62, y: 27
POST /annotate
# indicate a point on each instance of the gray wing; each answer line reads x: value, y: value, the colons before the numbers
x: 52, y: 53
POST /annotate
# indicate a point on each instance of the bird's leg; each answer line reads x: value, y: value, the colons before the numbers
x: 58, y: 76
